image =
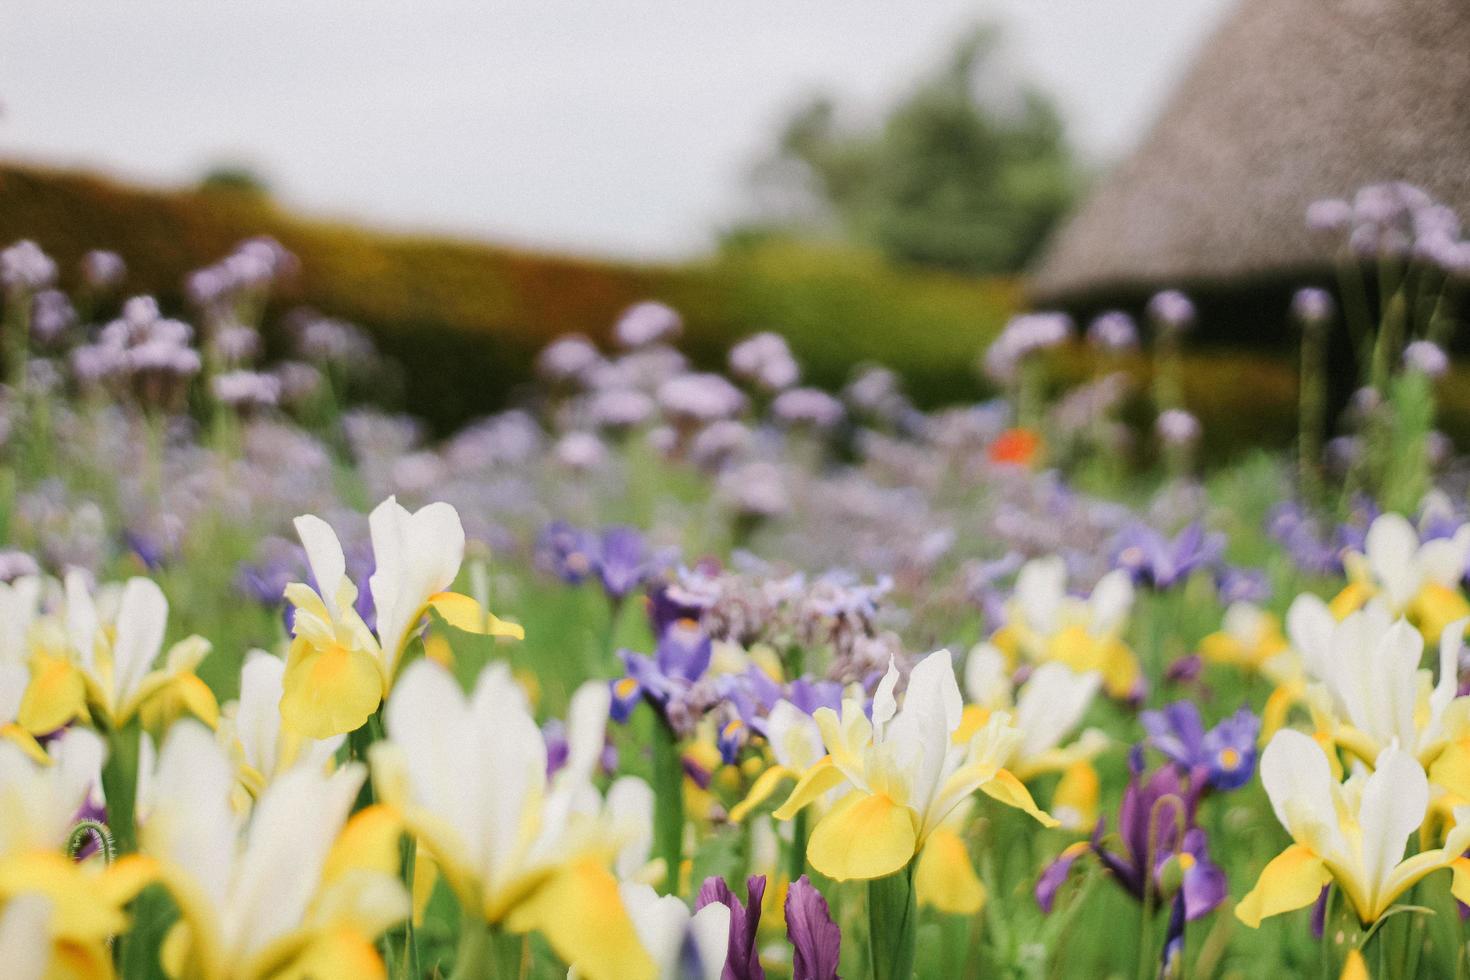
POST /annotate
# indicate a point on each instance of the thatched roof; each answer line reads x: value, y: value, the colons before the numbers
x: 1290, y: 101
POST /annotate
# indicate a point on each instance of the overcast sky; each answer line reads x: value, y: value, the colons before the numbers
x: 620, y: 127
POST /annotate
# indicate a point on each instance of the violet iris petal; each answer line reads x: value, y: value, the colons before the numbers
x: 816, y: 940
x: 742, y: 962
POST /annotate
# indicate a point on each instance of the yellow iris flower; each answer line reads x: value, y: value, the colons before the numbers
x: 1419, y: 581
x: 467, y: 777
x: 1044, y: 624
x: 272, y: 894
x: 1350, y: 833
x: 56, y: 915
x: 337, y: 670
x: 903, y: 772
x: 99, y: 667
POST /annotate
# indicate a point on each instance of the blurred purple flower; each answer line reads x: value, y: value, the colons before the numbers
x: 742, y: 962
x: 1153, y: 559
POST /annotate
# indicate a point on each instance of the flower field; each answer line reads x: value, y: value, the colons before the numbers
x: 670, y: 672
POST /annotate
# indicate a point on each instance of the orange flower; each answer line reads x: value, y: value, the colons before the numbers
x: 1017, y: 446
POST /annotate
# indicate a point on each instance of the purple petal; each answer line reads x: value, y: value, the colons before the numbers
x: 815, y: 939
x: 1056, y: 874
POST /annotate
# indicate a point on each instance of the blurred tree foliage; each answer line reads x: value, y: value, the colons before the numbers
x: 968, y: 173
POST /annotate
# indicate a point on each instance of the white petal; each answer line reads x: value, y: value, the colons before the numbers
x: 710, y: 930
x: 323, y: 554
x: 1111, y: 600
x: 291, y: 831
x: 141, y: 620
x: 25, y: 937
x: 795, y: 739
x: 1390, y: 547
x: 1051, y: 704
x: 417, y: 555
x: 586, y: 730
x: 1309, y: 626
x: 82, y: 621
x: 1298, y: 781
x: 987, y: 681
x: 1394, y: 800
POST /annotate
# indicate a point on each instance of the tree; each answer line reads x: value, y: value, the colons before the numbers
x: 968, y: 173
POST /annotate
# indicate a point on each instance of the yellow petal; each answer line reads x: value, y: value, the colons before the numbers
x: 336, y: 953
x: 1355, y: 967
x: 329, y: 691
x: 1012, y: 792
x: 369, y: 840
x: 56, y: 694
x: 761, y: 791
x: 1075, y: 801
x: 1292, y: 880
x: 945, y: 877
x: 464, y: 613
x: 1435, y: 607
x: 1460, y: 887
x: 1350, y: 599
x: 815, y: 782
x: 581, y: 913
x: 27, y: 743
x: 864, y: 836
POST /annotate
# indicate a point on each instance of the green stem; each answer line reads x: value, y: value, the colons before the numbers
x: 668, y: 788
x: 796, y: 858
x: 120, y: 784
x: 893, y: 921
x: 472, y: 958
x: 410, y: 937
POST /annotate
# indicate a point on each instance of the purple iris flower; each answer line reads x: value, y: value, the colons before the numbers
x: 1302, y: 537
x: 1159, y: 838
x: 816, y: 941
x: 749, y: 697
x: 1154, y: 559
x: 667, y: 678
x: 743, y: 960
x: 625, y: 563
x: 554, y: 732
x: 1236, y: 584
x: 1223, y: 758
x: 565, y: 551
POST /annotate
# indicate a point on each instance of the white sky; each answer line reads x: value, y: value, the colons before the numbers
x: 620, y: 127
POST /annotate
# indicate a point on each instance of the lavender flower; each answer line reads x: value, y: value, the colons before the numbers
x: 765, y: 361
x: 646, y: 323
x: 24, y: 268
x: 1312, y: 307
x: 1427, y: 358
x: 1113, y: 331
x: 103, y: 271
x: 809, y: 407
x: 1178, y: 428
x: 700, y: 398
x: 1171, y: 310
x: 569, y: 359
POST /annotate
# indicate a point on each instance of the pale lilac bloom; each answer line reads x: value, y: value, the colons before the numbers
x: 1427, y: 358
x: 1171, y: 310
x: 24, y: 268
x: 568, y: 359
x: 1312, y: 306
x: 764, y: 360
x: 1113, y: 331
x: 1177, y: 427
x: 645, y: 323
x: 807, y: 407
x: 103, y: 270
x: 700, y: 398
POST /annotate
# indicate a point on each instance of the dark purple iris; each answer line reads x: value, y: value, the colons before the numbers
x: 1161, y: 848
x: 816, y: 941
x: 743, y: 960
